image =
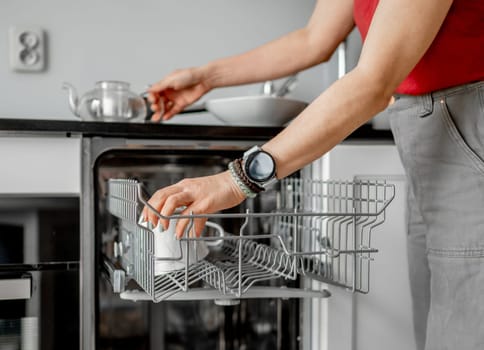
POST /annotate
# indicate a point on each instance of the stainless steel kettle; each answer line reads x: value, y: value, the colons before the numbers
x: 110, y: 101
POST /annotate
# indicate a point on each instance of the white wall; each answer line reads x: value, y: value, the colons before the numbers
x: 139, y: 42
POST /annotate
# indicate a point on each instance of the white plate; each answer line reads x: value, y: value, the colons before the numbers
x: 258, y: 110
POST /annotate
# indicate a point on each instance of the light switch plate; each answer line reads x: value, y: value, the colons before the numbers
x: 27, y: 49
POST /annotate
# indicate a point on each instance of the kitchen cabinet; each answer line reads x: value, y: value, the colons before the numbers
x: 382, y: 318
x: 39, y: 241
x: 40, y: 164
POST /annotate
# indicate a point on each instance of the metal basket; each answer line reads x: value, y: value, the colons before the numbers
x: 321, y: 230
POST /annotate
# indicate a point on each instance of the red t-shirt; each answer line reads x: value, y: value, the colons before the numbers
x: 456, y: 55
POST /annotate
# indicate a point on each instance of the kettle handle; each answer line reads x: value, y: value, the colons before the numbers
x: 73, y: 99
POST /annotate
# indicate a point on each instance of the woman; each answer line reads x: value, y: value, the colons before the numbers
x: 428, y: 56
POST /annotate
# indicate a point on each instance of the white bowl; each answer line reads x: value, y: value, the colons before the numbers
x: 258, y: 110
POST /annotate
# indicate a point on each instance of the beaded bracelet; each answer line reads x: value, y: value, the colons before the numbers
x: 241, y: 174
x: 246, y: 190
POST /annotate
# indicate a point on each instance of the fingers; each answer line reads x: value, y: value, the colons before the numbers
x: 166, y: 201
x: 203, y: 195
x: 173, y: 202
x: 171, y: 95
x: 166, y: 105
x: 158, y: 99
x: 158, y: 102
x: 166, y: 114
x: 184, y: 224
x: 157, y: 201
x: 171, y: 110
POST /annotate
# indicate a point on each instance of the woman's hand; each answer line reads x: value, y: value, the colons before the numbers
x: 202, y: 195
x: 176, y: 91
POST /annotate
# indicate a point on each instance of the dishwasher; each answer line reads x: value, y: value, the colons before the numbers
x: 266, y: 257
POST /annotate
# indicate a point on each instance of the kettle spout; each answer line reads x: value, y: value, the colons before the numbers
x: 73, y: 100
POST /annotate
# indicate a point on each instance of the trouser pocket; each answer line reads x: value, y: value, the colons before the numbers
x: 463, y: 117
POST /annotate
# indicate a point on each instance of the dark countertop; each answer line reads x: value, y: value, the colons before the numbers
x: 165, y: 131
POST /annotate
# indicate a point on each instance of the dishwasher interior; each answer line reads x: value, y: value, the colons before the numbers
x: 246, y: 292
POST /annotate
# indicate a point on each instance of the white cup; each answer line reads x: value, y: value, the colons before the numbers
x: 172, y: 252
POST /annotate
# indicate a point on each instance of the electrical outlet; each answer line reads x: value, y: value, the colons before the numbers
x: 27, y: 49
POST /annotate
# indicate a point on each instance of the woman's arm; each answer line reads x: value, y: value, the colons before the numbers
x: 330, y: 23
x: 400, y: 33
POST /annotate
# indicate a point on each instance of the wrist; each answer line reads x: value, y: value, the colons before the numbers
x: 239, y: 181
x: 202, y: 75
x: 234, y: 187
x: 213, y: 75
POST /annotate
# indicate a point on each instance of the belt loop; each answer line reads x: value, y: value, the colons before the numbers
x: 425, y: 105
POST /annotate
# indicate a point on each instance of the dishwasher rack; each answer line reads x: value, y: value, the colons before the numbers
x: 321, y: 230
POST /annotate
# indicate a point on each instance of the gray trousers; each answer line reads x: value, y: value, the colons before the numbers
x: 440, y: 138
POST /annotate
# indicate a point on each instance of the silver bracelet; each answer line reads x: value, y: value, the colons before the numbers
x: 246, y: 190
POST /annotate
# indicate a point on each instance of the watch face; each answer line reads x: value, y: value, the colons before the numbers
x: 260, y: 167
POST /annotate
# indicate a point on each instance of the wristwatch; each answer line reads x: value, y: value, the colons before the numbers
x: 259, y: 166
